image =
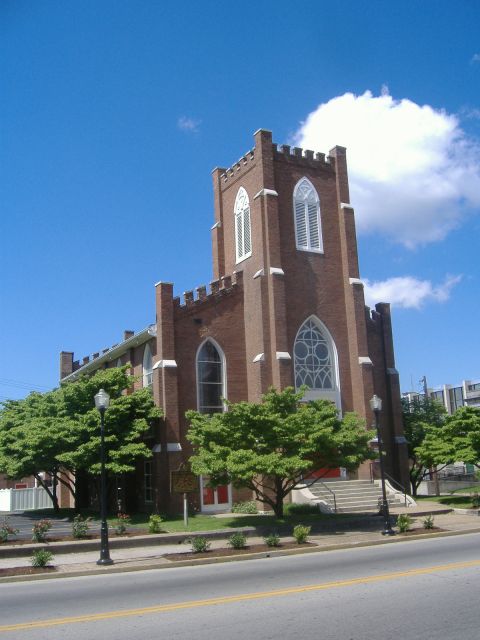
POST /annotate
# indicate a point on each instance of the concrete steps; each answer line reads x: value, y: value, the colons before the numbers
x: 351, y: 496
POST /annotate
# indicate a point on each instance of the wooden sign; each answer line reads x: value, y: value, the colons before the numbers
x: 183, y: 481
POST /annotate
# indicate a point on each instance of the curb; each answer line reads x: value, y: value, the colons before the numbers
x: 173, y: 564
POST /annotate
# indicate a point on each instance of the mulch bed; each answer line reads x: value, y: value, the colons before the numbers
x: 111, y: 535
x: 26, y: 571
x: 415, y: 532
x: 254, y: 548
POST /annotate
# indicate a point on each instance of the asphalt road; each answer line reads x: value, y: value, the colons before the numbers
x: 404, y: 591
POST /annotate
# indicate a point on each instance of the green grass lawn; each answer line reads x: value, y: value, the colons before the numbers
x: 202, y: 522
x: 460, y: 502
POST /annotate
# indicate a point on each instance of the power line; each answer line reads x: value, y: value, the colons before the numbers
x: 7, y: 382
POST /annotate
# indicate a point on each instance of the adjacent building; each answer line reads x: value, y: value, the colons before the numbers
x: 285, y: 308
x: 452, y: 397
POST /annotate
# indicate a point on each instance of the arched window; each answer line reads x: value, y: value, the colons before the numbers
x: 243, y: 234
x: 315, y: 362
x: 147, y: 367
x: 210, y: 378
x: 306, y: 211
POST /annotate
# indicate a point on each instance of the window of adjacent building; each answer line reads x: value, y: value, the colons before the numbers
x: 306, y: 211
x: 210, y: 378
x: 147, y: 367
x: 243, y: 233
x: 437, y: 396
x: 147, y: 481
x: 315, y: 362
x: 456, y: 398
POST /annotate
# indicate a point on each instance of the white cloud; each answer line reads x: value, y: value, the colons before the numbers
x: 408, y: 292
x: 188, y: 124
x: 475, y: 58
x: 413, y: 172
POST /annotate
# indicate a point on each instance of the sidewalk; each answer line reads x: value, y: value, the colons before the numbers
x: 144, y: 555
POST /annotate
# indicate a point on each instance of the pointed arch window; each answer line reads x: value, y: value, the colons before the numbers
x: 147, y: 367
x: 306, y: 211
x: 210, y: 378
x: 316, y: 362
x: 243, y: 233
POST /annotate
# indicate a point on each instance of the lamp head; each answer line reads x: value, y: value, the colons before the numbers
x: 376, y: 403
x: 102, y: 400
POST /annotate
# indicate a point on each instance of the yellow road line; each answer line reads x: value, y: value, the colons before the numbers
x: 126, y: 613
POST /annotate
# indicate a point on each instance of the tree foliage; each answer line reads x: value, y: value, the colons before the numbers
x: 421, y: 416
x: 457, y: 440
x: 59, y: 431
x: 270, y: 446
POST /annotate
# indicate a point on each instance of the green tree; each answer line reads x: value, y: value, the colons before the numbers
x: 421, y: 417
x: 270, y: 446
x: 59, y: 431
x: 457, y: 440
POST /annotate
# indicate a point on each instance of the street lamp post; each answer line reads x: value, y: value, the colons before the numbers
x: 376, y: 406
x: 102, y: 400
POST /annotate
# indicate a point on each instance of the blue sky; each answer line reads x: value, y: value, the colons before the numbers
x: 114, y: 113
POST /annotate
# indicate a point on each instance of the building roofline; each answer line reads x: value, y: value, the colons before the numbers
x: 114, y: 352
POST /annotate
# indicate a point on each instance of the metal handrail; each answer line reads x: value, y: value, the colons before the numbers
x: 400, y: 486
x: 328, y: 489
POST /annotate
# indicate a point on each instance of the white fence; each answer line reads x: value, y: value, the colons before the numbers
x: 24, y: 499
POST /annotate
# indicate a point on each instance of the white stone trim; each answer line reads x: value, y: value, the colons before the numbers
x: 364, y: 360
x: 216, y: 225
x: 356, y: 281
x: 265, y: 192
x: 283, y: 355
x: 260, y: 357
x: 276, y: 271
x: 164, y: 364
x: 346, y: 205
x: 171, y: 447
x: 259, y: 273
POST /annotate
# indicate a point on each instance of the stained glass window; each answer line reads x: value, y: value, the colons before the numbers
x: 313, y: 358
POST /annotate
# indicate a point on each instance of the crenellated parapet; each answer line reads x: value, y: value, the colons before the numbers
x: 302, y: 157
x: 239, y: 167
x: 200, y: 295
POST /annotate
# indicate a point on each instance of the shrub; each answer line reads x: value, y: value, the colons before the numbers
x: 404, y: 522
x: 301, y: 533
x: 200, y: 544
x: 248, y: 506
x: 41, y: 557
x: 301, y: 509
x: 80, y: 526
x: 121, y: 523
x: 272, y: 540
x: 6, y: 530
x: 155, y: 524
x: 238, y: 540
x: 428, y: 522
x: 475, y: 500
x: 40, y: 530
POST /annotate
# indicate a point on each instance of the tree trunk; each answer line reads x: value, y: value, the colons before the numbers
x: 278, y: 507
x: 51, y: 495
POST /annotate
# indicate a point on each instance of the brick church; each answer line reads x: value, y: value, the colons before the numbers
x: 285, y: 308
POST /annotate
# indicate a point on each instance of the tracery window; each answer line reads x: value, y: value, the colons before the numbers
x: 314, y: 358
x: 147, y: 367
x: 210, y: 378
x: 306, y: 211
x: 243, y: 234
